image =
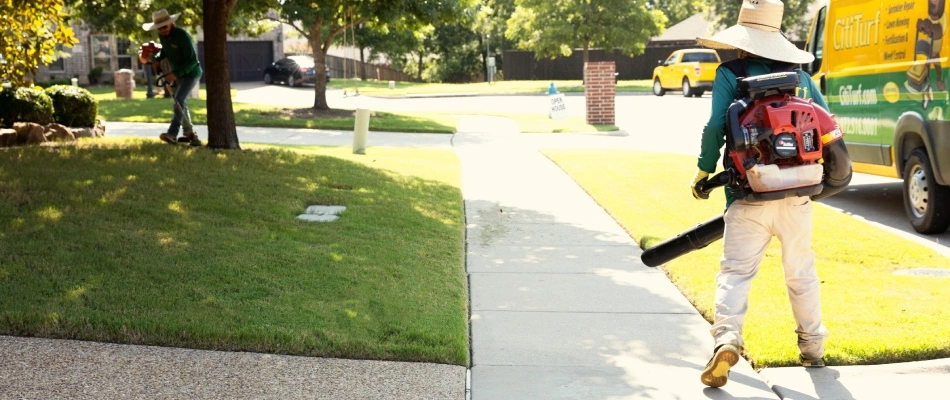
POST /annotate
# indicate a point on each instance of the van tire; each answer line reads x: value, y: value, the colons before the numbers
x: 926, y: 202
x: 687, y: 89
x: 657, y: 88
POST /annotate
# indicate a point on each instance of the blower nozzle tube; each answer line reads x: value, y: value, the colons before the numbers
x: 694, y: 239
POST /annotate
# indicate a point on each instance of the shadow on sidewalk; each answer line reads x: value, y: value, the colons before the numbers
x: 563, y: 308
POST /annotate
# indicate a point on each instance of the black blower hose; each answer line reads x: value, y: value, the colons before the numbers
x: 836, y: 169
x: 694, y: 239
x: 837, y: 176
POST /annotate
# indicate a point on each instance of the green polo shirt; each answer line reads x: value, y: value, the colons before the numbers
x: 723, y: 94
x: 179, y: 49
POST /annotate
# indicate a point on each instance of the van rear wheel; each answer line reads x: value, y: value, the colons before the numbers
x: 927, y: 203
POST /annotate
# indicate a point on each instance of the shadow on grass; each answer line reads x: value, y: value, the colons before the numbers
x: 146, y: 243
x: 158, y: 109
x: 161, y: 110
x: 339, y: 119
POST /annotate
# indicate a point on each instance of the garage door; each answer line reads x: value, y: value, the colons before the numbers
x: 246, y: 60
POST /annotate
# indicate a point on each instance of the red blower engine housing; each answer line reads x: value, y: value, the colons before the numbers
x: 776, y: 140
x: 148, y: 50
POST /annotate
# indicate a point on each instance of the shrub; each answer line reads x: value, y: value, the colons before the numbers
x: 53, y: 82
x: 25, y: 105
x: 73, y: 106
x: 94, y: 75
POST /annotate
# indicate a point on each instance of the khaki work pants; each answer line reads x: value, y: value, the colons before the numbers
x: 749, y: 229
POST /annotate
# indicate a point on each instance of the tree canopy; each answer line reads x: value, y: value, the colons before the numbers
x: 554, y: 29
x: 324, y: 22
x: 125, y: 18
x: 677, y: 10
x: 31, y: 31
x: 726, y: 13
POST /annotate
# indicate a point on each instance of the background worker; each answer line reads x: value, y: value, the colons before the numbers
x: 750, y: 226
x: 178, y: 48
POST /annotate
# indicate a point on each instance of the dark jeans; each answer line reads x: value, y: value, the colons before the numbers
x: 182, y: 118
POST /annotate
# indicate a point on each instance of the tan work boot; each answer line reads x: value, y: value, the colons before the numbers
x: 716, y: 373
x: 167, y: 138
x: 190, y: 137
x: 811, y: 362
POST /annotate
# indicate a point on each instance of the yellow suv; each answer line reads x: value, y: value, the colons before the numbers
x: 689, y: 70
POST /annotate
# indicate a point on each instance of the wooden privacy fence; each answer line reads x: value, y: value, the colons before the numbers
x: 521, y: 65
x: 359, y: 69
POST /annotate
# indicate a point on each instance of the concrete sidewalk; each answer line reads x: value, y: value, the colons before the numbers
x: 561, y: 308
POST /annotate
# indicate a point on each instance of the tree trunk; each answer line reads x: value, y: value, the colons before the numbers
x: 484, y: 44
x: 320, y: 84
x: 320, y: 61
x: 419, y: 70
x: 586, y: 58
x: 362, y: 65
x: 222, y: 133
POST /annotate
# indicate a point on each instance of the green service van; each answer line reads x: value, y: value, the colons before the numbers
x: 882, y: 67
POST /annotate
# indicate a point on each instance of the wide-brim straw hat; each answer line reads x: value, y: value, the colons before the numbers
x: 160, y: 18
x: 758, y: 32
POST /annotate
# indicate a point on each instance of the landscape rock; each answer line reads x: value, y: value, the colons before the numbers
x: 23, y: 130
x: 59, y: 132
x: 33, y: 133
x: 100, y: 129
x: 83, y: 132
x: 8, y: 137
x: 36, y: 135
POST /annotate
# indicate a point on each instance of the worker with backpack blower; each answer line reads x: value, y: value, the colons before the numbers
x: 178, y: 48
x: 751, y: 221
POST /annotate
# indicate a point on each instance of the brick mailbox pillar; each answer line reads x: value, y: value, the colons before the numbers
x: 600, y: 90
x: 124, y: 84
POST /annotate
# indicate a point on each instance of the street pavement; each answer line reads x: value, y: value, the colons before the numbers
x: 561, y: 308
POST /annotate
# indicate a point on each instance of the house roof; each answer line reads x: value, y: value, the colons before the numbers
x: 687, y: 29
x: 697, y: 25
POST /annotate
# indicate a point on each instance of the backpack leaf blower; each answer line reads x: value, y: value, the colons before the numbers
x: 779, y: 146
x: 146, y: 53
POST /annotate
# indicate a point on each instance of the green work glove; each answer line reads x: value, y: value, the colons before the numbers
x: 700, y: 179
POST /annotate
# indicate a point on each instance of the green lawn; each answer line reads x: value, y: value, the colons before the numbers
x: 141, y: 109
x: 874, y: 315
x: 498, y: 87
x: 134, y: 241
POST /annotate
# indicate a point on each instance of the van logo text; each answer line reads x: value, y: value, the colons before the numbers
x: 848, y: 96
x: 856, y: 31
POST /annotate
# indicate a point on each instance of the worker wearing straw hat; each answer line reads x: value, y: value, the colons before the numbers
x: 749, y: 227
x: 178, y: 48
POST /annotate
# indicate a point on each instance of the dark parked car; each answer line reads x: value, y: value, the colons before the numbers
x: 294, y: 70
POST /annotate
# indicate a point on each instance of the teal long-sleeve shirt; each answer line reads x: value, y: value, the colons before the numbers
x: 179, y: 49
x: 723, y: 94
